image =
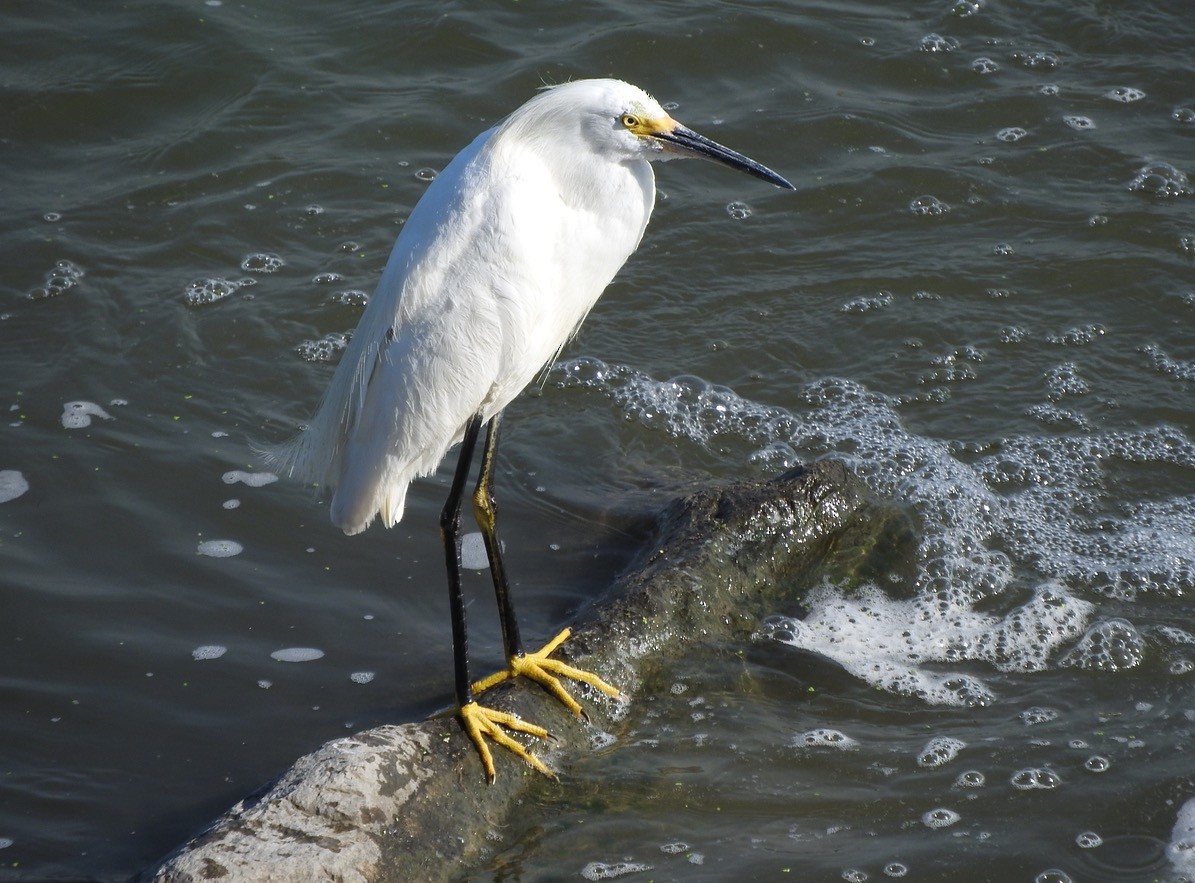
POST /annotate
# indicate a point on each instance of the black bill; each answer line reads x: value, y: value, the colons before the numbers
x: 685, y: 140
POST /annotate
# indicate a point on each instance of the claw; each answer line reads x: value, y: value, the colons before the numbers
x: 482, y: 723
x: 540, y: 668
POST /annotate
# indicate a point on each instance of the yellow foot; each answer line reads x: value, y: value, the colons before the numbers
x: 540, y: 668
x: 481, y: 722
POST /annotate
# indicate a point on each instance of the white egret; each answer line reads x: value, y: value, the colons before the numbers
x: 498, y: 263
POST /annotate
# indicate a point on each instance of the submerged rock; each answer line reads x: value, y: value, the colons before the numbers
x: 410, y: 802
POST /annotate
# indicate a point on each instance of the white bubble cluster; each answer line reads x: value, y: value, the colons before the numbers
x: 297, y: 654
x: 1008, y: 537
x: 252, y: 479
x: 940, y: 818
x: 824, y: 738
x: 939, y: 751
x: 326, y: 348
x: 211, y: 289
x: 208, y: 651
x: 1124, y: 94
x: 262, y: 262
x: 1034, y: 779
x: 938, y: 43
x: 220, y: 548
x: 1037, y: 715
x: 603, y: 871
x: 1161, y: 180
x: 62, y: 278
x: 77, y: 415
x: 928, y: 206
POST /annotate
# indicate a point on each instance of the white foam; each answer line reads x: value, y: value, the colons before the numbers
x: 940, y: 818
x: 77, y: 415
x: 1012, y: 535
x: 12, y: 485
x: 208, y: 651
x: 824, y: 738
x: 252, y: 479
x: 612, y: 871
x: 220, y: 548
x: 940, y: 750
x: 297, y: 654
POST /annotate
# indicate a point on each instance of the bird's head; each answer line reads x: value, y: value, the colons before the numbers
x: 624, y: 122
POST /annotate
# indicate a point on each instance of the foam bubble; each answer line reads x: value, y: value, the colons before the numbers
x: 1183, y: 115
x: 984, y: 65
x: 1037, y: 715
x: 77, y: 415
x: 231, y: 504
x: 1080, y: 123
x: 220, y: 548
x: 970, y: 779
x: 208, y: 651
x: 1161, y: 180
x: 676, y: 848
x: 1009, y: 536
x: 1097, y: 764
x: 252, y: 479
x: 1053, y: 875
x: 824, y: 738
x: 262, y: 262
x: 297, y: 654
x: 895, y: 869
x: 326, y: 348
x: 1012, y: 133
x: 1035, y: 778
x: 940, y: 818
x: 1036, y: 61
x: 1179, y: 369
x: 1088, y: 840
x: 938, y: 43
x: 1108, y: 645
x: 353, y: 297
x: 1124, y: 94
x: 740, y: 211
x: 212, y: 289
x: 12, y: 485
x: 361, y: 677
x: 928, y: 206
x: 939, y: 751
x: 62, y: 278
x: 603, y: 871
x: 6, y: 842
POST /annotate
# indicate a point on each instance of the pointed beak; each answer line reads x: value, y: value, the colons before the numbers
x: 683, y: 140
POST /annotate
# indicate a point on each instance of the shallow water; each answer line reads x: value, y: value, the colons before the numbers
x: 981, y: 296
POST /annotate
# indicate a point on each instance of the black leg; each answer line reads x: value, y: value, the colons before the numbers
x: 486, y: 511
x: 450, y: 532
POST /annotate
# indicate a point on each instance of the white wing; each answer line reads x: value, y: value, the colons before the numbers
x: 492, y: 273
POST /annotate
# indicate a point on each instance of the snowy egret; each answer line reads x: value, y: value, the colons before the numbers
x: 496, y: 267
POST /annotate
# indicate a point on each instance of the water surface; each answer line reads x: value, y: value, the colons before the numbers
x: 981, y: 296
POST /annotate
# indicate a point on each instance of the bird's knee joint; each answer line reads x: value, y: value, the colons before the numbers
x: 485, y: 508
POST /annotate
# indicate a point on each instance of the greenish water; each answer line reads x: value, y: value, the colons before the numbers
x: 981, y: 295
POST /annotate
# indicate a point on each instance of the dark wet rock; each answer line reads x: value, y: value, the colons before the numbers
x: 410, y: 802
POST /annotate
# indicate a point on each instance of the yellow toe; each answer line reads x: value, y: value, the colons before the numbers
x: 483, y: 723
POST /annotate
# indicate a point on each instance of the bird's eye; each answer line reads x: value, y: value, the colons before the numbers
x: 629, y: 120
